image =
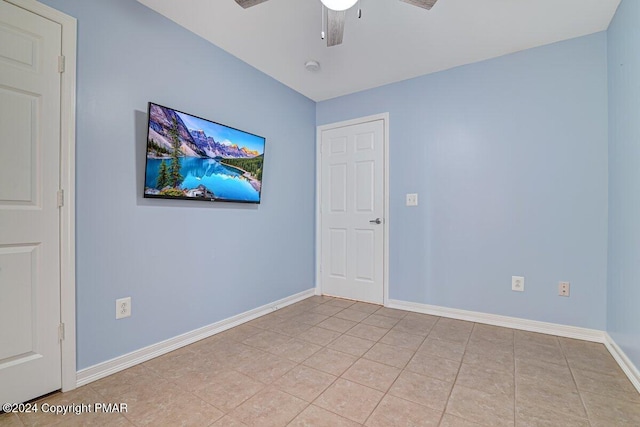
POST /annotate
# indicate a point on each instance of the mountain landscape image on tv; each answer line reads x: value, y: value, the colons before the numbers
x: 196, y: 159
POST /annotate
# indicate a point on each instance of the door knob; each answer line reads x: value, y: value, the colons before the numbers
x: 376, y: 221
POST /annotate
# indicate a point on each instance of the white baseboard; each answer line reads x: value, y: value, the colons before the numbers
x: 585, y: 334
x: 505, y: 321
x: 101, y: 370
x: 625, y: 363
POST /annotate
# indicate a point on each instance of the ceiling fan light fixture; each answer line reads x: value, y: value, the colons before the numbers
x: 339, y: 5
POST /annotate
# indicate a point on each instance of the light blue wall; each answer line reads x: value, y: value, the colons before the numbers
x: 185, y: 264
x: 509, y: 158
x: 623, y: 314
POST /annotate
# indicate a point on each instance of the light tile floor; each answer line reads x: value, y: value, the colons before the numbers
x: 332, y: 362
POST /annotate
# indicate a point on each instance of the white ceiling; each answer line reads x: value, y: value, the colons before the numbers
x: 393, y: 41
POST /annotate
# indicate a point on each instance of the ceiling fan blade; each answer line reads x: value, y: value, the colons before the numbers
x: 335, y: 27
x: 248, y: 3
x: 425, y: 4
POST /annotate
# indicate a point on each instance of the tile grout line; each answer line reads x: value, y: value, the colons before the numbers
x: 340, y: 376
x: 575, y: 383
x: 361, y: 357
x: 299, y: 364
x: 264, y: 386
x: 272, y: 384
x: 385, y: 393
x: 453, y: 385
x: 444, y: 411
x: 399, y: 374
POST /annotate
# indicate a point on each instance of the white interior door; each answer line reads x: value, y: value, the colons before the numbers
x: 352, y: 211
x: 30, y: 360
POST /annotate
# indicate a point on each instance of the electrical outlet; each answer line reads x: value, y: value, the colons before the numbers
x: 412, y: 199
x: 517, y: 283
x: 123, y: 307
x: 563, y: 289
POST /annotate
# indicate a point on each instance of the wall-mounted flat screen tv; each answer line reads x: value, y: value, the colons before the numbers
x: 192, y: 158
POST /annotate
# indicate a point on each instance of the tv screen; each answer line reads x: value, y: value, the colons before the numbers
x: 196, y: 159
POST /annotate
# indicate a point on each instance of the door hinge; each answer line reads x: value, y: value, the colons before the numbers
x: 61, y: 64
x: 61, y: 332
x: 60, y: 198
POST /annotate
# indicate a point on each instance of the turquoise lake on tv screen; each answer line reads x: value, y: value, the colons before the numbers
x: 225, y: 182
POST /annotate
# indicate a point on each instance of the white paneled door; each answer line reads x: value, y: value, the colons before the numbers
x: 30, y: 360
x: 352, y: 211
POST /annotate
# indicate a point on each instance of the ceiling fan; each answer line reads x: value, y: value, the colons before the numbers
x: 336, y: 10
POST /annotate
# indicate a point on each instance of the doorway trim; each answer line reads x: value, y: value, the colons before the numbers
x: 67, y: 184
x: 385, y: 247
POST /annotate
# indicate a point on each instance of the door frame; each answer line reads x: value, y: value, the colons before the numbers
x: 67, y: 184
x: 385, y: 199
